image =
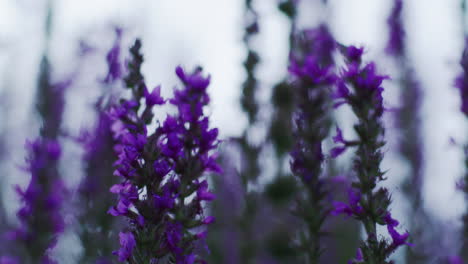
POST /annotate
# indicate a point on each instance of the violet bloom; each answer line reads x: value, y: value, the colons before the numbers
x: 462, y: 84
x: 462, y: 81
x: 127, y: 244
x: 50, y: 101
x: 395, y: 45
x: 361, y: 88
x: 313, y: 77
x: 358, y: 259
x: 164, y: 185
x: 9, y: 260
x: 113, y: 60
x: 93, y: 198
x: 40, y: 218
x: 249, y: 87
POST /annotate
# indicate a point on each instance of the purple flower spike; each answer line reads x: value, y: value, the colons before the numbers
x: 338, y: 138
x: 154, y: 98
x: 313, y: 77
x: 113, y: 60
x: 40, y: 214
x: 127, y: 244
x: 337, y: 151
x: 168, y: 165
x: 395, y: 45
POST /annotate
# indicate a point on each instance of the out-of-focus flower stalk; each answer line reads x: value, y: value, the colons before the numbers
x: 408, y: 122
x: 40, y: 214
x: 462, y: 84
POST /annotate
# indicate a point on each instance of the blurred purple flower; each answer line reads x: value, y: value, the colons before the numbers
x: 113, y: 60
x: 168, y: 164
x: 462, y: 81
x: 40, y: 215
x: 127, y: 244
x: 395, y: 45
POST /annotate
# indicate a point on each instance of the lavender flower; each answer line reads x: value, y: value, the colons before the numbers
x: 462, y: 81
x: 164, y: 187
x: 395, y: 44
x: 462, y: 84
x: 409, y: 125
x: 367, y: 203
x: 40, y: 216
x: 8, y: 260
x: 93, y: 196
x: 313, y: 77
x: 250, y: 85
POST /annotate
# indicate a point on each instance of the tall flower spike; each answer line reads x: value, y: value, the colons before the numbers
x: 93, y: 198
x: 395, y: 45
x: 368, y: 204
x: 462, y: 84
x: 169, y: 165
x: 40, y: 216
x: 312, y: 79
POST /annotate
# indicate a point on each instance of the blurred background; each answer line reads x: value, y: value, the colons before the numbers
x: 77, y: 35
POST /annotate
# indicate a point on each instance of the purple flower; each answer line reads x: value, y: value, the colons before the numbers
x: 162, y: 167
x: 395, y: 45
x: 40, y: 214
x: 203, y: 193
x: 338, y: 138
x: 337, y: 151
x: 367, y: 84
x: 462, y: 81
x: 398, y: 239
x: 312, y: 73
x: 167, y: 164
x: 9, y: 260
x: 351, y: 209
x: 113, y: 60
x: 127, y: 244
x: 359, y: 257
x: 166, y: 201
x: 354, y: 54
